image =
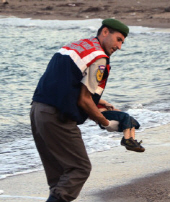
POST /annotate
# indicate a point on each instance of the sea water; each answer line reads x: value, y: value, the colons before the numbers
x: 139, y: 83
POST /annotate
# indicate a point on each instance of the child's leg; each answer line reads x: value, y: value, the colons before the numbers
x: 132, y: 132
x: 128, y: 133
x: 127, y: 125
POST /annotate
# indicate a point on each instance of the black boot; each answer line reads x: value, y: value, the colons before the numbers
x: 54, y: 199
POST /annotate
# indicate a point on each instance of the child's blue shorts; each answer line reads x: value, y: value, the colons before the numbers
x: 125, y: 120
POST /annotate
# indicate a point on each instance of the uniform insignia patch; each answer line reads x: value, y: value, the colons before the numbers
x: 100, y: 72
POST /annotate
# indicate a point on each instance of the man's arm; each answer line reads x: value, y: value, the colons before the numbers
x: 85, y: 101
x: 87, y: 104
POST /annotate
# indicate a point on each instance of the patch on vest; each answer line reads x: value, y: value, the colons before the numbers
x: 100, y: 72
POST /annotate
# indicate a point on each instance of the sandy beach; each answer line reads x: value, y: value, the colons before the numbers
x: 118, y: 175
x: 149, y: 13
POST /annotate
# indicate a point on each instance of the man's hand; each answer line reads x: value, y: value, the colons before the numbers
x: 113, y: 126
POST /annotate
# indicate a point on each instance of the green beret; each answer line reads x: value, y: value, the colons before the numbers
x: 116, y: 25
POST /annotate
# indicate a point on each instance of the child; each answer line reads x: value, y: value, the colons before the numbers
x: 126, y: 124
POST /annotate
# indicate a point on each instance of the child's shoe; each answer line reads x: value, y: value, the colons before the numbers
x: 132, y: 145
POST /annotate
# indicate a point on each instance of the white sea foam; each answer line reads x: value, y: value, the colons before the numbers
x: 22, y: 197
x: 1, y: 192
x: 96, y: 139
x: 150, y: 119
x: 20, y: 173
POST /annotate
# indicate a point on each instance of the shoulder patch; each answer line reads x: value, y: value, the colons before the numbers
x: 100, y: 72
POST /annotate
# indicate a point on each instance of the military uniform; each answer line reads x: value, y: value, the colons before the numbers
x: 55, y: 114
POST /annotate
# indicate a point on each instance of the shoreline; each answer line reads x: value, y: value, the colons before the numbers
x: 128, y: 22
x: 117, y: 175
x: 154, y: 26
x: 136, y: 13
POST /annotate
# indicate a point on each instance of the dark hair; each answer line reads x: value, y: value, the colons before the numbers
x: 103, y: 26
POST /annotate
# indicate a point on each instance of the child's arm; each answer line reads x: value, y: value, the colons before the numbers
x: 107, y: 105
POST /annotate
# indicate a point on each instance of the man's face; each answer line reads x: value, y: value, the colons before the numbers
x: 112, y: 41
